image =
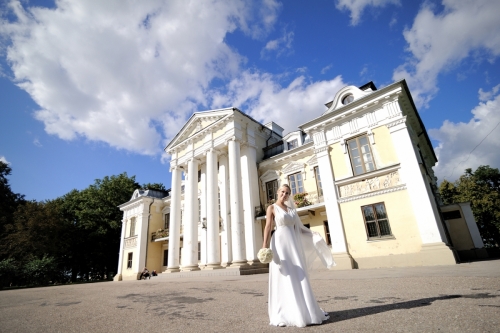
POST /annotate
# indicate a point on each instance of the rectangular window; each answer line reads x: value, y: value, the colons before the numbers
x: 292, y: 144
x: 165, y: 257
x: 199, y: 176
x: 132, y: 227
x: 271, y: 189
x: 376, y: 221
x: 318, y: 181
x: 218, y: 200
x: 361, y: 155
x: 327, y: 233
x: 129, y: 261
x: 199, y: 251
x: 167, y: 221
x: 454, y: 214
x: 296, y: 183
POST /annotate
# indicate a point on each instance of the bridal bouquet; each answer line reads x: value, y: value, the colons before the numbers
x: 265, y: 255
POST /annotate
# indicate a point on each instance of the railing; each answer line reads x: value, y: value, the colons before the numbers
x: 161, y: 233
x: 274, y: 149
x: 131, y: 242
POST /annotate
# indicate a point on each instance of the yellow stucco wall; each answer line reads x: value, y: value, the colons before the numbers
x: 383, y: 147
x: 154, y: 253
x: 340, y: 167
x: 401, y: 219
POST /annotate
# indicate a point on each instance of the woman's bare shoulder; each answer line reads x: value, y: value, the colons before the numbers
x: 270, y: 210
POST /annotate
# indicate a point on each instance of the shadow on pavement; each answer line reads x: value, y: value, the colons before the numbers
x: 361, y: 312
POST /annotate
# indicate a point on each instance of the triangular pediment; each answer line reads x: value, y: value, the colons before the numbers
x: 293, y: 167
x: 313, y: 160
x: 198, y: 122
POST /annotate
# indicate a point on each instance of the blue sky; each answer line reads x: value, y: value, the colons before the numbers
x: 95, y: 88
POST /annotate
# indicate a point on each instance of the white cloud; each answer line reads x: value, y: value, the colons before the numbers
x: 356, y: 7
x: 486, y: 95
x: 37, y: 142
x: 469, y: 145
x: 439, y: 42
x: 326, y: 69
x: 278, y: 46
x: 117, y: 71
x: 265, y: 99
x: 3, y: 159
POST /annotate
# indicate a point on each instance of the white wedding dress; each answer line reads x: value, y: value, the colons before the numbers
x: 291, y: 299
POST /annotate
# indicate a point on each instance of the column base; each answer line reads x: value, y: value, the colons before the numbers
x: 437, y: 254
x: 190, y: 268
x: 239, y: 265
x: 117, y: 277
x: 213, y: 266
x: 257, y: 264
x: 172, y: 270
x: 343, y: 261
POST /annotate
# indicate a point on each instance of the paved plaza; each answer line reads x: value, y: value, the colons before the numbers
x: 459, y: 298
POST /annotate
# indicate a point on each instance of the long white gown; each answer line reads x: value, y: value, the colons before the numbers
x: 291, y: 299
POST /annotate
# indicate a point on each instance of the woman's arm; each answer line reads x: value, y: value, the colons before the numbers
x: 269, y: 226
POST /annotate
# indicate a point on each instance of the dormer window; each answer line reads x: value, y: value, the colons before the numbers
x: 292, y: 144
x: 347, y: 99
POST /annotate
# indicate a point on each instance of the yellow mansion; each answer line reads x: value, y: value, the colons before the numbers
x: 361, y: 175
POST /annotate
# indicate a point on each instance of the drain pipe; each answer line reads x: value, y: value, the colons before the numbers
x: 147, y: 234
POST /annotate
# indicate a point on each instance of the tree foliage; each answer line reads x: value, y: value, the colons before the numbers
x: 76, y: 236
x: 482, y: 189
x: 154, y: 186
x: 8, y: 199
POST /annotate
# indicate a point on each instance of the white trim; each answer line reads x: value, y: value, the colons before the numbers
x: 372, y: 194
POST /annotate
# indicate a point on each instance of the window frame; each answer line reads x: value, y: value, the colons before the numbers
x: 129, y: 260
x: 274, y: 189
x: 390, y: 235
x: 292, y: 144
x: 294, y: 185
x: 131, y: 231
x: 328, y: 238
x: 319, y: 185
x: 166, y: 221
x: 361, y: 155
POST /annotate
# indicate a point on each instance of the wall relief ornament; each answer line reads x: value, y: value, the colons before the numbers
x: 370, y: 185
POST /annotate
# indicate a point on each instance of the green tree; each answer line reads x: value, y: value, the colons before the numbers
x: 9, y: 201
x: 96, y: 219
x: 154, y: 186
x: 482, y: 189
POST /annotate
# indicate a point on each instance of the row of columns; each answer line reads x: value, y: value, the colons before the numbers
x: 241, y: 239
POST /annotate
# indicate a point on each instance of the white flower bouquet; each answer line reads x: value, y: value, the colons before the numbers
x: 265, y: 255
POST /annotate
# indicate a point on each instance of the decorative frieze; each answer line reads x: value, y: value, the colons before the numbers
x: 370, y: 184
x: 130, y: 242
x: 372, y: 194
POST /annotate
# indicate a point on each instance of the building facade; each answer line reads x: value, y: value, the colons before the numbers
x: 361, y: 175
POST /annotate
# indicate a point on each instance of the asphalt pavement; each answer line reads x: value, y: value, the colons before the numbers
x: 458, y: 298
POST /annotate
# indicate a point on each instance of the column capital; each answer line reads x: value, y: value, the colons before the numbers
x: 232, y: 138
x: 212, y: 150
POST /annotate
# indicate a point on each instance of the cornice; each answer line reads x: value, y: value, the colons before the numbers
x: 374, y: 193
x: 375, y: 173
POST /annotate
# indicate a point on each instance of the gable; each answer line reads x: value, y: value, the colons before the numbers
x: 198, y: 122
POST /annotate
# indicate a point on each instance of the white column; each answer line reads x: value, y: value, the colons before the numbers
x: 213, y: 252
x: 250, y: 188
x: 175, y: 221
x: 237, y: 221
x: 335, y: 224
x: 203, y: 216
x: 226, y: 247
x: 434, y: 249
x: 190, y: 241
x: 118, y: 276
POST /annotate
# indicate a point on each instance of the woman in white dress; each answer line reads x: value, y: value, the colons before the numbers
x: 294, y: 247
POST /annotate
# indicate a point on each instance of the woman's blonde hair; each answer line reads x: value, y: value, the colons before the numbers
x: 287, y: 186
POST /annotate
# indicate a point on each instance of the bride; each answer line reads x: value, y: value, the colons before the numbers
x: 294, y: 247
